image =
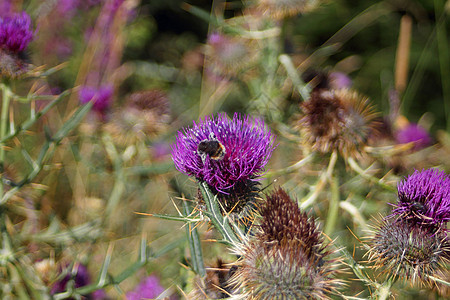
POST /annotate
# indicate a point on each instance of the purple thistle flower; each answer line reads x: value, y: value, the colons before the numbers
x: 102, y: 96
x: 424, y: 197
x: 409, y: 250
x: 15, y: 32
x: 223, y: 152
x: 413, y: 133
x: 149, y: 288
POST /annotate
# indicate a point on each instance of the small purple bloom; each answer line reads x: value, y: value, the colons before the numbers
x: 101, y: 96
x: 149, y: 288
x: 80, y: 276
x: 424, y: 197
x: 339, y: 80
x: 160, y: 150
x: 15, y: 32
x: 223, y: 152
x: 413, y: 133
x: 215, y: 38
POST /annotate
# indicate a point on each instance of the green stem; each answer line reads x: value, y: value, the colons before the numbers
x: 324, y: 177
x: 356, y: 268
x: 195, y: 246
x: 302, y: 88
x: 355, y: 167
x: 383, y: 291
x: 355, y: 213
x: 214, y: 212
x: 119, y: 182
x: 333, y: 209
x: 293, y: 167
x: 3, y: 126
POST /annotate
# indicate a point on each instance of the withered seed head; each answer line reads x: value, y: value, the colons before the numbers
x: 339, y: 120
x: 145, y: 114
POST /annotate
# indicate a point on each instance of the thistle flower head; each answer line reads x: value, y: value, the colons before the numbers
x: 228, y: 55
x: 223, y: 152
x: 282, y: 220
x: 15, y: 35
x: 409, y: 250
x: 413, y: 133
x: 101, y: 96
x: 337, y: 120
x: 280, y: 9
x: 424, y: 197
x: 286, y: 258
x: 15, y: 32
x: 146, y: 113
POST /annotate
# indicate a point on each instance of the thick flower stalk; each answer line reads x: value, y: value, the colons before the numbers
x: 286, y: 258
x: 424, y: 197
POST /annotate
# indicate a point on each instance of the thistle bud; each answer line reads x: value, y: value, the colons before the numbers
x: 286, y: 258
x: 409, y: 250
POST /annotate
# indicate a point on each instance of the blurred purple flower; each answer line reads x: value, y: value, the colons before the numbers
x: 223, y: 152
x: 424, y: 197
x: 413, y: 133
x: 339, y: 80
x: 215, y: 38
x: 5, y: 8
x: 102, y: 96
x: 160, y: 150
x: 67, y: 8
x: 149, y: 288
x: 80, y: 276
x: 15, y: 32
